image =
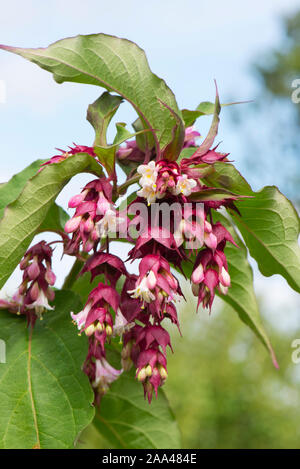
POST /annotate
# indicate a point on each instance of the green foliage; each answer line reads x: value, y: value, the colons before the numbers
x: 25, y: 215
x: 100, y: 113
x: 224, y: 391
x: 46, y: 400
x: 10, y: 190
x: 126, y: 420
x: 268, y: 222
x: 241, y: 295
x: 270, y: 227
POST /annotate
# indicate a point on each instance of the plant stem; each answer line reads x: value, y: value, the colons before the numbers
x: 128, y: 183
x: 72, y: 275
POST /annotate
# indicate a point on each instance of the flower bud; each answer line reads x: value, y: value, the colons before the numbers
x: 50, y: 277
x: 34, y: 291
x: 90, y: 330
x: 142, y: 375
x: 24, y: 262
x: 33, y: 270
x: 100, y: 327
x: 224, y: 277
x: 72, y: 224
x: 163, y: 373
x: 151, y: 280
x: 88, y: 225
x: 77, y: 199
x: 198, y: 275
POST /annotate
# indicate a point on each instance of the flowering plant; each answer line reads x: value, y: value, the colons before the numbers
x: 189, y: 214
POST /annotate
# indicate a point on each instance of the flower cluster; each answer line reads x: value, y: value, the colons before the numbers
x: 149, y: 298
x: 35, y: 290
x: 95, y: 217
x: 135, y: 313
x: 101, y: 319
x: 65, y: 154
x: 158, y: 178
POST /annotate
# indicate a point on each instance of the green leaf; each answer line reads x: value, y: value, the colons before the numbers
x: 241, y: 295
x: 205, y: 108
x: 172, y: 150
x: 209, y: 139
x: 24, y: 216
x: 55, y: 220
x: 141, y: 139
x: 107, y: 154
x: 45, y: 398
x: 225, y: 175
x: 100, y: 113
x: 118, y: 65
x: 270, y: 227
x: 10, y: 190
x: 212, y: 194
x: 126, y: 420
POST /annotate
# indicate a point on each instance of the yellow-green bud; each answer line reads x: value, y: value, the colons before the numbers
x: 90, y: 330
x: 142, y: 375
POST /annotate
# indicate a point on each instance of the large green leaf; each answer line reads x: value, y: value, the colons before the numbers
x: 270, y: 227
x: 241, y: 295
x: 119, y: 66
x: 225, y: 175
x: 25, y: 215
x: 107, y: 154
x: 45, y: 398
x: 269, y: 224
x: 55, y: 220
x: 10, y: 190
x: 126, y: 420
x: 100, y: 113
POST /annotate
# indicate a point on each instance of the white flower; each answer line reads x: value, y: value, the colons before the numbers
x: 108, y: 224
x: 103, y: 204
x: 121, y: 324
x: 149, y: 174
x: 184, y: 185
x: 105, y: 375
x: 80, y: 317
x: 40, y: 303
x: 142, y: 291
x: 148, y: 192
x: 224, y: 277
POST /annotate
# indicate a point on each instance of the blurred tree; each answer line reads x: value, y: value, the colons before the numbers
x: 224, y: 389
x: 270, y: 144
x: 282, y: 66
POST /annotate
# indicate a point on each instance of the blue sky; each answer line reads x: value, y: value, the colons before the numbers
x: 187, y: 43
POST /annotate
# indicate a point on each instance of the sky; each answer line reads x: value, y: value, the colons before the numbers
x: 187, y: 43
